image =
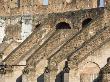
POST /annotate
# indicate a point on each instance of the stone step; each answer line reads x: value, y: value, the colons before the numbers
x: 90, y: 47
x: 10, y: 48
x: 76, y: 42
x: 48, y: 50
x: 19, y: 53
x: 56, y: 41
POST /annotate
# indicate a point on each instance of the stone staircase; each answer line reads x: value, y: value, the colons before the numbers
x: 55, y: 42
x: 75, y: 48
x: 36, y: 38
x: 7, y: 48
x: 56, y: 45
x: 34, y: 42
x: 74, y: 44
x: 10, y: 48
x: 97, y: 42
x: 63, y: 49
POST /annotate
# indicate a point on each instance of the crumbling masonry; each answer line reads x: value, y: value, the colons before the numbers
x: 62, y: 41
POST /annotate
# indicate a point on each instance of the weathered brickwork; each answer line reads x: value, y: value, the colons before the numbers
x: 85, y: 16
x: 58, y: 41
x: 76, y: 42
x: 18, y: 7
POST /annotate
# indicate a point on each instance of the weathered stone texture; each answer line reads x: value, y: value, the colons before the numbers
x: 63, y: 41
x: 17, y: 7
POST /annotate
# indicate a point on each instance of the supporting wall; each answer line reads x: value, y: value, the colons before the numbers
x: 88, y: 70
x: 22, y: 32
x: 19, y: 7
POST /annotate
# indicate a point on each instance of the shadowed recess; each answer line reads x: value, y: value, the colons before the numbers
x: 86, y: 22
x: 63, y: 25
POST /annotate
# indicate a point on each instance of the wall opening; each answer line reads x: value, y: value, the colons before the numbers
x: 19, y: 79
x: 90, y: 72
x: 101, y: 3
x: 40, y: 78
x: 59, y: 77
x: 63, y: 25
x: 86, y: 22
x: 45, y: 2
x: 26, y: 27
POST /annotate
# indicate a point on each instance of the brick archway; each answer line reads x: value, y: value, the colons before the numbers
x: 86, y: 22
x: 63, y: 25
x: 90, y: 72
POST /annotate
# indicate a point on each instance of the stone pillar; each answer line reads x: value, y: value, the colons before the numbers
x: 104, y: 75
x: 9, y: 76
x: 2, y: 74
x: 46, y: 74
x: 51, y: 76
x: 6, y: 73
x: 66, y: 70
x: 25, y: 73
x: 50, y: 72
x: 74, y: 75
x: 29, y: 75
x: 2, y: 78
x: 106, y: 78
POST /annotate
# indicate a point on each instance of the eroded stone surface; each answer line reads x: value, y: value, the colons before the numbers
x: 32, y: 40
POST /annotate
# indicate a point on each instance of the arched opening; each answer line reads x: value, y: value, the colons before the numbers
x: 45, y: 2
x: 63, y: 25
x: 86, y: 22
x: 19, y: 79
x: 26, y: 28
x: 90, y: 72
x: 101, y: 3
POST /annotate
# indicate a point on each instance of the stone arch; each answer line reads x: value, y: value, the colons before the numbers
x: 86, y: 21
x: 26, y: 27
x: 69, y: 21
x: 90, y: 72
x: 63, y: 25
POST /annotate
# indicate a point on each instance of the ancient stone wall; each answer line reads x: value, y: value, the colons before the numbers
x: 50, y: 42
x: 19, y: 7
x: 89, y: 69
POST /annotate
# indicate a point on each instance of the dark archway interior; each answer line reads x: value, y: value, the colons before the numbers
x: 40, y: 78
x: 19, y: 79
x: 86, y: 22
x: 59, y: 77
x: 63, y: 25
